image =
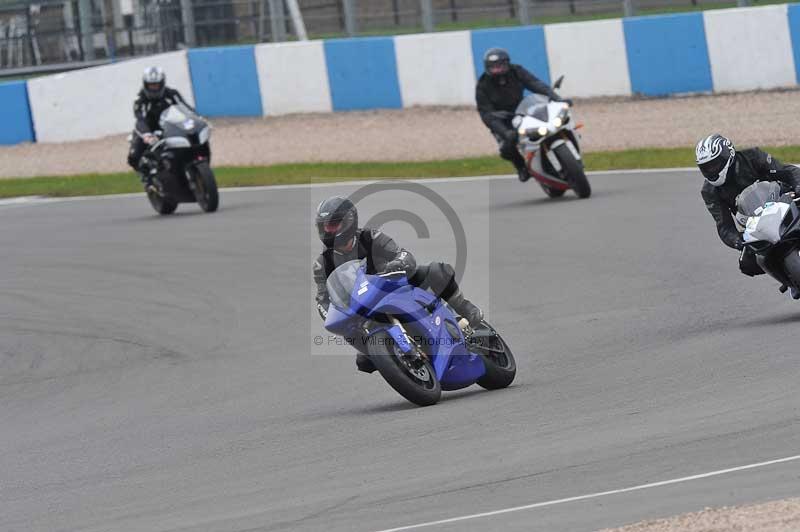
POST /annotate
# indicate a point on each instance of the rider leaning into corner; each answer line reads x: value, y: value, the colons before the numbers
x: 343, y: 241
x: 727, y: 173
x: 500, y: 90
x: 153, y: 98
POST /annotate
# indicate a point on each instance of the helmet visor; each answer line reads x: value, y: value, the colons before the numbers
x: 712, y: 170
x: 332, y: 227
x: 154, y: 89
x: 498, y: 69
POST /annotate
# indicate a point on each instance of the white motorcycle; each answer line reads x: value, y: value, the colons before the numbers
x: 769, y: 218
x: 549, y: 143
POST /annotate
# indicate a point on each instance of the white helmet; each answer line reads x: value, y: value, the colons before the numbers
x: 714, y: 155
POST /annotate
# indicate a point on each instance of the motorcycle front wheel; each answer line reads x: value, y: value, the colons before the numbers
x: 161, y: 204
x: 205, y: 186
x: 573, y: 171
x: 413, y: 379
x: 552, y: 192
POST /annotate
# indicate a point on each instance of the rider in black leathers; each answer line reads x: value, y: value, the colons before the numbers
x: 153, y: 98
x: 727, y: 173
x: 499, y: 91
x: 343, y: 240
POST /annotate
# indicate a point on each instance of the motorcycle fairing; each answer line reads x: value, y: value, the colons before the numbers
x: 425, y: 318
x: 767, y: 225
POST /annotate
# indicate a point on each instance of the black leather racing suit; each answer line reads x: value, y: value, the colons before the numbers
x: 498, y: 95
x: 751, y: 165
x: 380, y: 250
x: 147, y: 113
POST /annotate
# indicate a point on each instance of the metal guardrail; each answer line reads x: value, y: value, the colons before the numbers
x: 54, y: 35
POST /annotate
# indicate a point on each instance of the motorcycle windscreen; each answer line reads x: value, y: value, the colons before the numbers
x: 534, y: 105
x: 341, y: 282
x: 179, y: 120
x: 756, y: 196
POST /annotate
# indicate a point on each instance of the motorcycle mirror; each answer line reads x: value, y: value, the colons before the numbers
x: 557, y: 84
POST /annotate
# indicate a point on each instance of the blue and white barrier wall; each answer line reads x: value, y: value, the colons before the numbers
x: 714, y: 51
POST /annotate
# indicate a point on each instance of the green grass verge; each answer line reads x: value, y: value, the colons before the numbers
x: 282, y: 174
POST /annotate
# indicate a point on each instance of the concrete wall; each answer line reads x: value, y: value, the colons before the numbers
x: 15, y: 114
x: 225, y: 81
x: 362, y: 73
x: 750, y: 48
x: 667, y: 55
x: 720, y: 50
x: 284, y: 67
x: 591, y: 56
x: 95, y: 102
x: 436, y: 69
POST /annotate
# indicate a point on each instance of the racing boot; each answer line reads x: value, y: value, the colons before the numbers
x: 795, y: 292
x: 470, y: 314
x: 522, y: 168
x: 146, y: 170
x: 363, y: 363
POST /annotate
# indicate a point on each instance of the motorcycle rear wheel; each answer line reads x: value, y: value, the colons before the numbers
x: 418, y: 385
x: 573, y: 171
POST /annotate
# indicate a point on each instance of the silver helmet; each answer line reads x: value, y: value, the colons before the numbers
x: 154, y: 82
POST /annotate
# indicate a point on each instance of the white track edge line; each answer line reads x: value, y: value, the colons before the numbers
x: 593, y: 495
x: 39, y: 200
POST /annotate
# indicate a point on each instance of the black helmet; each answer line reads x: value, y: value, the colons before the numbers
x: 496, y: 62
x: 154, y: 82
x: 337, y: 222
x: 715, y: 155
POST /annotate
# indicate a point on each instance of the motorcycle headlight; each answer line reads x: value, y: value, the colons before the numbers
x: 542, y: 131
x: 204, y: 134
x: 522, y: 131
x: 558, y: 122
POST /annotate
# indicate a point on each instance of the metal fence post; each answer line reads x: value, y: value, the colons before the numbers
x: 187, y: 18
x: 117, y: 23
x: 297, y: 20
x: 628, y: 8
x: 426, y: 7
x: 524, y: 13
x: 87, y: 33
x: 276, y: 22
x: 350, y: 19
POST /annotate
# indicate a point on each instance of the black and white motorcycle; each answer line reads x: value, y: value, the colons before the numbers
x: 549, y: 143
x: 181, y: 170
x: 769, y: 218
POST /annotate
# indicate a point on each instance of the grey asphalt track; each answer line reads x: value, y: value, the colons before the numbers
x: 157, y: 374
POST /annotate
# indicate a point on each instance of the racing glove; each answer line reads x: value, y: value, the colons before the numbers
x: 397, y: 265
x: 567, y: 101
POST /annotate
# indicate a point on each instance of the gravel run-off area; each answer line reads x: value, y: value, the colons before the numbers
x: 419, y: 134
x: 775, y: 516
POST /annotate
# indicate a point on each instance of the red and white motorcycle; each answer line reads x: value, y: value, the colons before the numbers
x: 549, y: 143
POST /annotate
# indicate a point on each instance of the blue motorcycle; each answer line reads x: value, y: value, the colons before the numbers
x: 413, y: 337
